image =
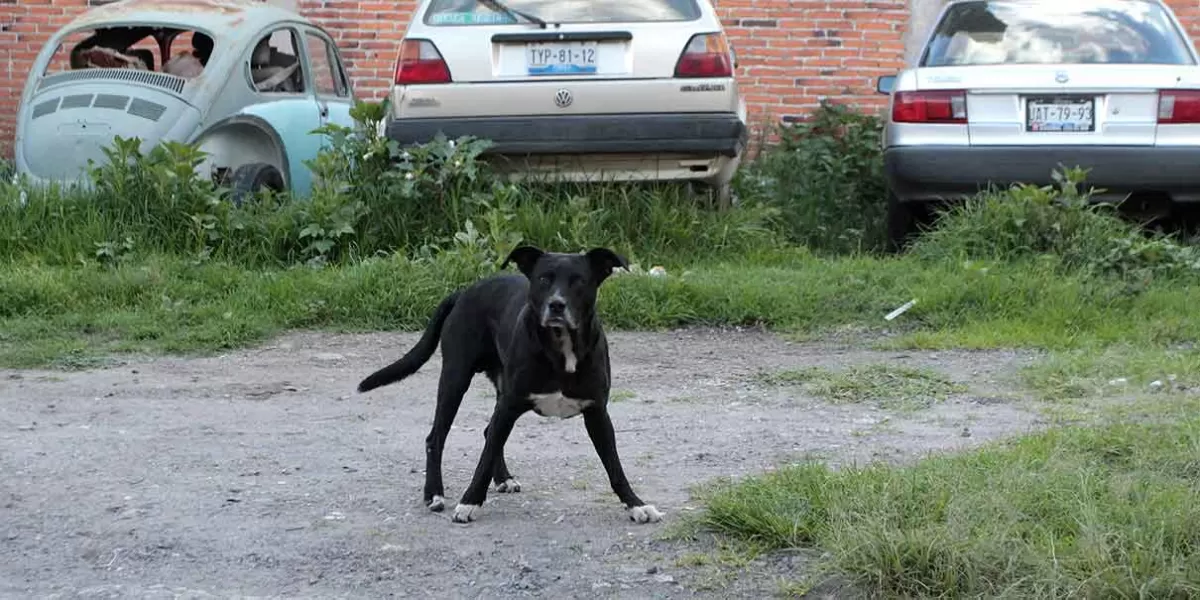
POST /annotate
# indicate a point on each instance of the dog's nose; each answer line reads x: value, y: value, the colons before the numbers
x: 557, y: 306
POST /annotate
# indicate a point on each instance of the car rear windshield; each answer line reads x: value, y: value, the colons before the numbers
x: 473, y: 12
x: 1019, y: 32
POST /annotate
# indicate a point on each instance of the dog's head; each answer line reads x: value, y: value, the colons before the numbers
x: 562, y: 287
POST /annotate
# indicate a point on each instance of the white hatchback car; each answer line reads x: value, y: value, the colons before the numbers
x: 577, y: 90
x: 1005, y: 91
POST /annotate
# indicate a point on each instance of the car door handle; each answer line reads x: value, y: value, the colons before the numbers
x: 324, y: 111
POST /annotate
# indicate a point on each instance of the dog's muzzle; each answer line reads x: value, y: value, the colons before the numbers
x: 556, y: 313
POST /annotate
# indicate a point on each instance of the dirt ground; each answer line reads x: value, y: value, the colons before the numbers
x: 262, y: 473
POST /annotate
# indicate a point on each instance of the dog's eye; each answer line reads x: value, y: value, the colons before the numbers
x: 546, y: 278
x: 575, y: 280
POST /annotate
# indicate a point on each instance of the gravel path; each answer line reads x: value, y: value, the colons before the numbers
x: 261, y: 473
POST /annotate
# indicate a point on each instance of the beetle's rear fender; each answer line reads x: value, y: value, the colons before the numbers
x: 64, y: 126
x: 241, y: 140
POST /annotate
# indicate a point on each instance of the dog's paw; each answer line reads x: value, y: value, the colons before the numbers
x: 645, y: 513
x: 437, y: 504
x: 508, y: 486
x: 464, y: 513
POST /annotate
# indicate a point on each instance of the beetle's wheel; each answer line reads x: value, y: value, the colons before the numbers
x: 248, y: 179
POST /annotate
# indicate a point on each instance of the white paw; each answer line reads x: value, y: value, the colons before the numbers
x: 437, y: 504
x: 464, y: 513
x: 645, y: 513
x: 508, y: 486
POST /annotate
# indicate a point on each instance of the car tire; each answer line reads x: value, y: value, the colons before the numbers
x: 251, y: 178
x: 904, y: 220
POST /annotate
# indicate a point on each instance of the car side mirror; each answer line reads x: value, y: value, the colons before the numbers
x: 885, y: 84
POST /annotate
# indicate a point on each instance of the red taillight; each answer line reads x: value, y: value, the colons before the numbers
x: 934, y: 106
x: 1179, y: 106
x: 706, y: 55
x: 420, y: 62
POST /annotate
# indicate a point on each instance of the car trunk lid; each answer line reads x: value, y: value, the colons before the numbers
x: 518, y: 67
x: 1059, y: 104
x: 574, y: 51
x: 70, y: 124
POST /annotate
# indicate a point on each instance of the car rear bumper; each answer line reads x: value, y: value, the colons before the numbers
x: 953, y: 172
x: 715, y: 134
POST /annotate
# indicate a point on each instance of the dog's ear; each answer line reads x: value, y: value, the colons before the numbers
x: 524, y: 257
x: 603, y: 261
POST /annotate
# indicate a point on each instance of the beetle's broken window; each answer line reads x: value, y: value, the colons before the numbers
x: 322, y: 62
x: 191, y: 53
x: 275, y: 64
x: 168, y: 50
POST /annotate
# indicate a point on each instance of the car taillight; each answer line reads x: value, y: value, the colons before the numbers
x: 706, y: 55
x: 934, y: 106
x: 420, y: 62
x: 1179, y: 106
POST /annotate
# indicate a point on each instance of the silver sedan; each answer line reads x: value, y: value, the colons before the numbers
x: 1004, y: 91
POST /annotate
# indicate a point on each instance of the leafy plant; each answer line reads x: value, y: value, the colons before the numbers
x: 826, y: 177
x: 1063, y: 223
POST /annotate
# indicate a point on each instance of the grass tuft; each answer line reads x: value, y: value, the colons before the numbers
x: 1077, y: 512
x: 888, y: 385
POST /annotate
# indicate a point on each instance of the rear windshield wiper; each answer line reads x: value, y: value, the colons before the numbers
x: 504, y: 8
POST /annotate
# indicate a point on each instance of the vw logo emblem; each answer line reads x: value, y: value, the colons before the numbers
x: 1061, y: 77
x: 563, y: 98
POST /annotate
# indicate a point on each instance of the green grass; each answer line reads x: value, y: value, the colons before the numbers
x: 51, y: 314
x: 621, y: 395
x: 1111, y: 511
x: 1117, y: 370
x: 888, y: 385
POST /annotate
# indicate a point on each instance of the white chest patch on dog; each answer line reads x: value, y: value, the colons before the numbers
x: 557, y: 405
x: 568, y: 351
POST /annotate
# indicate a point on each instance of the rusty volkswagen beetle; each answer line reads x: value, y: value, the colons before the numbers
x: 247, y: 81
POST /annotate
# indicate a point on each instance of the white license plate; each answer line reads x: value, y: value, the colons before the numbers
x: 1060, y: 114
x: 561, y: 58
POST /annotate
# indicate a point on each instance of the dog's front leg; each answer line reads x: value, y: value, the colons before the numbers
x: 499, y: 427
x: 600, y: 430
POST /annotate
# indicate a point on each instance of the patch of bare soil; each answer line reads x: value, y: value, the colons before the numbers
x: 261, y: 472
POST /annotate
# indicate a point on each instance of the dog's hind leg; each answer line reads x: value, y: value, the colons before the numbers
x: 453, y: 384
x: 501, y: 425
x: 604, y: 439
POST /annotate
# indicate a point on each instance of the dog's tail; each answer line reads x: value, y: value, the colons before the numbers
x: 417, y: 356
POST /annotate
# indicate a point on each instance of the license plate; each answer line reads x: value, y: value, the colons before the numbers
x: 561, y: 58
x: 1060, y: 114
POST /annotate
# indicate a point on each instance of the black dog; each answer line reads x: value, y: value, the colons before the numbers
x: 538, y: 339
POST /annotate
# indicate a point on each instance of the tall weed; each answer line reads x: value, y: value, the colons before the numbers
x: 826, y: 178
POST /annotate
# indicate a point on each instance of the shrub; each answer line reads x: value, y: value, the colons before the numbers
x: 1062, y: 222
x: 826, y: 177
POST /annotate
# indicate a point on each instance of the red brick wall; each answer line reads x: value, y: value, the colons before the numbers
x: 792, y: 52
